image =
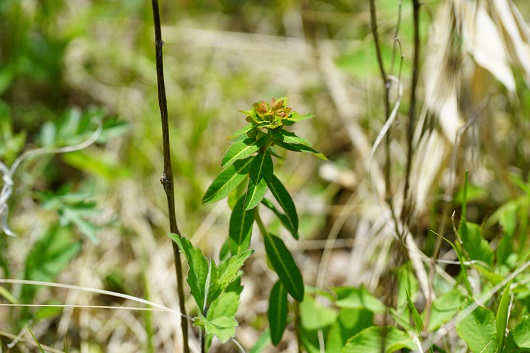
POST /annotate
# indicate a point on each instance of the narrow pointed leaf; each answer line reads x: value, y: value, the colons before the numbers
x: 239, y: 150
x: 283, y: 218
x: 295, y: 117
x: 234, y: 265
x: 240, y: 230
x: 283, y: 263
x: 242, y: 131
x: 503, y: 312
x: 284, y: 199
x: 289, y: 137
x: 227, y: 180
x: 260, y: 173
x: 297, y: 147
x: 277, y: 312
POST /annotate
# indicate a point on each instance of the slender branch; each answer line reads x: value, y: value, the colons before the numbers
x: 412, y: 111
x: 167, y: 177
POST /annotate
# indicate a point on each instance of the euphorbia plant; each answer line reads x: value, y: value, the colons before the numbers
x: 250, y: 158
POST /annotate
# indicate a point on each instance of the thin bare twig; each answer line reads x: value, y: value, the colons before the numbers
x: 167, y: 177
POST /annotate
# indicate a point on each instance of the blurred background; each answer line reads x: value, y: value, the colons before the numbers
x: 97, y: 217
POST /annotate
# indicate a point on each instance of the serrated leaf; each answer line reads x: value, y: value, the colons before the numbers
x: 284, y: 199
x: 289, y: 137
x: 202, y: 275
x: 519, y: 336
x: 225, y: 305
x: 260, y: 173
x: 357, y: 298
x: 283, y: 263
x: 378, y: 339
x: 277, y: 312
x: 283, y: 218
x: 478, y: 331
x: 228, y: 180
x: 223, y: 327
x: 296, y: 147
x: 239, y: 150
x: 234, y: 265
x: 240, y: 230
x: 501, y: 319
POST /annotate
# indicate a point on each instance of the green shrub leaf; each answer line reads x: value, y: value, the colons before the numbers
x: 444, y: 308
x: 378, y: 339
x: 277, y: 312
x: 283, y: 218
x: 239, y: 150
x: 478, y: 331
x: 519, y: 336
x: 260, y: 173
x: 234, y: 265
x: 289, y: 137
x: 283, y: 263
x: 298, y: 147
x: 357, y: 298
x: 315, y: 316
x: 224, y: 327
x: 281, y: 195
x: 228, y: 180
x: 474, y: 243
x: 240, y: 230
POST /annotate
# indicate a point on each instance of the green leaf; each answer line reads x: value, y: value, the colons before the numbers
x: 444, y: 308
x: 242, y: 131
x: 283, y: 218
x: 315, y: 316
x: 225, y: 305
x: 283, y: 263
x: 203, y: 273
x: 228, y: 180
x: 478, y: 331
x: 349, y: 323
x: 281, y: 195
x: 277, y: 312
x: 357, y: 298
x: 378, y: 339
x: 240, y: 150
x: 296, y: 118
x: 475, y: 245
x: 289, y: 137
x: 418, y: 322
x: 297, y: 147
x: 260, y: 173
x: 519, y: 336
x: 234, y: 265
x: 503, y: 312
x: 240, y: 230
x: 223, y: 327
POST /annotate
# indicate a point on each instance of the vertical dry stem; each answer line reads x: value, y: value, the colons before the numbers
x: 167, y: 177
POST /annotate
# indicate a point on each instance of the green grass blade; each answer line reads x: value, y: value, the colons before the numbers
x: 239, y: 150
x: 240, y: 230
x: 260, y: 173
x: 283, y: 263
x: 283, y: 197
x: 228, y: 180
x: 503, y: 312
x: 277, y: 312
x: 283, y: 218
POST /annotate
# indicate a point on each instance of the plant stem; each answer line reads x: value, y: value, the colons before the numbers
x: 261, y: 226
x: 412, y: 111
x: 167, y: 177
